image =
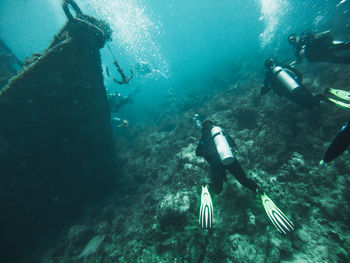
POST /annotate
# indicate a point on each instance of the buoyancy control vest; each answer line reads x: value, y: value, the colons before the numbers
x: 222, y: 146
x: 285, y: 79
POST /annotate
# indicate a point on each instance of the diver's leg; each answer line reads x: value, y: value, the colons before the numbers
x: 304, y: 98
x: 216, y: 179
x: 237, y: 171
x: 339, y: 53
x: 333, y: 58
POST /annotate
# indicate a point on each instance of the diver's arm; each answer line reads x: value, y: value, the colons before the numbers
x: 266, y: 87
x: 200, y: 148
x: 297, y: 75
x: 230, y: 141
x: 299, y: 54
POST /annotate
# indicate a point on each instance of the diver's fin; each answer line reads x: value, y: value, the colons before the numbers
x: 339, y: 144
x: 206, y: 211
x: 340, y: 103
x: 341, y: 94
x: 279, y: 220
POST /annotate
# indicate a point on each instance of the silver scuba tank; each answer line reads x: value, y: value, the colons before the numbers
x: 285, y: 79
x: 222, y: 146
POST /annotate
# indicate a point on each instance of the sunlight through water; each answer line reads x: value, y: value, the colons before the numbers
x: 134, y: 30
x: 271, y: 12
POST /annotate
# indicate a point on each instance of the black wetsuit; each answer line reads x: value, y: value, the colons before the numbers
x: 300, y: 95
x: 321, y: 48
x: 206, y: 148
x: 340, y: 143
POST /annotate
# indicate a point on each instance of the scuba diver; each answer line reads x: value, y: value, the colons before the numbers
x: 287, y: 81
x: 116, y: 101
x: 145, y: 69
x: 340, y: 143
x: 216, y: 147
x: 319, y: 48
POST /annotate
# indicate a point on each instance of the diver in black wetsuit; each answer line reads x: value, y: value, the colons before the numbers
x: 340, y: 143
x: 287, y: 81
x: 216, y: 147
x: 319, y: 47
x: 207, y: 149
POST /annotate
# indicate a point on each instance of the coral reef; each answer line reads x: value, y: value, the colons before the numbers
x: 57, y: 147
x: 278, y: 144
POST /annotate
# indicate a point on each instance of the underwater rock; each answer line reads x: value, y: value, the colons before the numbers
x: 246, y: 118
x: 173, y: 208
x: 59, y: 152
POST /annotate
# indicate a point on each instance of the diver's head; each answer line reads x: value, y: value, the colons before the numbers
x: 207, y: 125
x: 269, y: 63
x: 293, y: 39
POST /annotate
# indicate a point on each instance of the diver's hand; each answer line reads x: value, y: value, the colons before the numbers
x: 322, y: 164
x: 292, y: 64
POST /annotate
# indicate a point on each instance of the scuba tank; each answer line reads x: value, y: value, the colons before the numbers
x: 222, y: 146
x: 285, y: 79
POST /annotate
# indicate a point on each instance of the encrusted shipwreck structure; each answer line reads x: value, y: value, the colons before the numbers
x: 57, y: 148
x: 9, y: 64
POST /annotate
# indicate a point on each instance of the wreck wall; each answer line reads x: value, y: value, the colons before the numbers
x: 57, y: 149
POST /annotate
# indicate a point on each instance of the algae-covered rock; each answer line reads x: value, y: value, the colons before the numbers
x: 173, y: 209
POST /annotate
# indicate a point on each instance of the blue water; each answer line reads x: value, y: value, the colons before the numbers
x: 186, y: 42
